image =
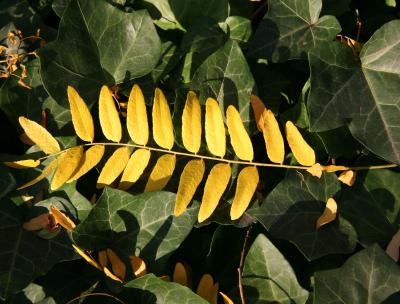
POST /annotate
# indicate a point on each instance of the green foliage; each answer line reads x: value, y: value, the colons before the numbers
x: 331, y: 67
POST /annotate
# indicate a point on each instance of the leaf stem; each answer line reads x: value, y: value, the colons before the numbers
x: 240, y: 268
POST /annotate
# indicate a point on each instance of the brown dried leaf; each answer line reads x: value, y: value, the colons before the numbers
x: 329, y: 214
x: 61, y: 219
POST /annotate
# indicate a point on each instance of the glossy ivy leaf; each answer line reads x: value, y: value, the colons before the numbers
x: 238, y: 28
x: 372, y: 205
x: 292, y: 28
x: 291, y: 210
x: 141, y: 225
x: 24, y: 255
x: 94, y: 48
x: 268, y: 277
x: 375, y: 274
x: 150, y: 289
x: 366, y: 97
x: 226, y: 76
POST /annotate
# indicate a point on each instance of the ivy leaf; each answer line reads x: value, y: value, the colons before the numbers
x: 292, y: 28
x: 366, y: 97
x: 23, y: 255
x: 291, y: 210
x: 95, y: 47
x: 376, y: 274
x: 268, y: 277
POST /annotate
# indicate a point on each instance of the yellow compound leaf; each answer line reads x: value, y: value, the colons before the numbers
x: 39, y: 135
x: 118, y: 267
x: 37, y: 223
x: 113, y: 167
x: 136, y: 119
x: 207, y: 289
x: 215, y: 129
x: 103, y: 259
x: 302, y: 151
x: 134, y: 169
x: 87, y: 257
x: 46, y: 172
x: 348, y: 177
x: 108, y: 115
x: 81, y: 117
x: 226, y: 299
x: 190, y: 179
x: 258, y: 110
x: 247, y: 182
x: 161, y: 173
x: 191, y: 123
x: 216, y: 183
x: 273, y: 138
x: 90, y: 158
x: 68, y: 162
x: 316, y: 170
x: 139, y: 267
x: 393, y: 247
x: 240, y: 140
x: 182, y: 275
x: 61, y: 219
x: 108, y: 273
x: 23, y: 164
x: 329, y: 214
x: 163, y: 131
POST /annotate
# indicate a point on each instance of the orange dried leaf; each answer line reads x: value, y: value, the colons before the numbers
x: 61, y: 219
x: 206, y: 288
x: 118, y: 267
x: 87, y: 257
x: 329, y: 214
x: 103, y: 259
x: 182, y: 275
x: 348, y: 177
x: 37, y: 223
x: 139, y: 267
x: 258, y: 110
x: 226, y: 299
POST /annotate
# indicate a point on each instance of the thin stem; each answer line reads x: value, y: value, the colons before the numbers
x: 95, y: 294
x: 240, y: 268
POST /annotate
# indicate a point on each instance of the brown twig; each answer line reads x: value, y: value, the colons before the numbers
x: 240, y: 268
x: 102, y: 294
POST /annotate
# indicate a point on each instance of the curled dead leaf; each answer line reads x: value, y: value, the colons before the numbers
x: 348, y: 177
x: 37, y: 223
x: 139, y: 267
x: 329, y: 214
x: 61, y: 219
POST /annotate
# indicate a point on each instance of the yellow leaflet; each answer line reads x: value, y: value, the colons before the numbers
x: 334, y: 168
x: 136, y: 119
x: 113, y: 167
x: 161, y: 173
x: 329, y: 214
x: 215, y: 130
x: 191, y: 123
x: 190, y: 179
x: 393, y: 247
x: 163, y: 131
x: 139, y: 267
x: 39, y: 135
x: 134, y: 169
x: 109, y: 117
x: 103, y: 259
x: 181, y: 275
x: 90, y: 158
x: 87, y: 257
x: 316, y: 170
x: 37, y: 223
x: 108, y: 273
x: 61, y: 219
x: 258, y: 110
x: 81, y: 117
x: 118, y: 267
x: 246, y: 186
x: 303, y: 153
x: 240, y: 140
x: 207, y: 289
x: 216, y: 183
x: 273, y: 138
x: 226, y: 299
x: 348, y: 177
x: 23, y: 164
x: 46, y: 172
x: 68, y: 162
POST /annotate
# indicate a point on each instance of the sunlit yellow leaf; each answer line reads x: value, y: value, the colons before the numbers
x: 240, y: 140
x: 316, y: 170
x: 258, y: 110
x: 302, y: 151
x: 118, y: 267
x: 81, y: 117
x: 37, y: 223
x: 108, y: 115
x: 348, y: 177
x: 108, y: 273
x: 103, y: 259
x: 113, y: 167
x: 216, y: 183
x: 138, y: 266
x: 190, y: 179
x: 191, y: 123
x: 23, y: 164
x: 207, y: 289
x: 393, y: 247
x: 182, y: 275
x: 90, y: 158
x: 273, y: 138
x: 161, y: 173
x: 163, y: 131
x: 226, y: 299
x: 61, y: 219
x: 247, y: 182
x: 68, y: 162
x: 136, y: 119
x: 39, y: 135
x: 329, y: 214
x: 134, y: 169
x: 87, y: 257
x: 215, y: 129
x: 46, y: 172
x: 334, y: 168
